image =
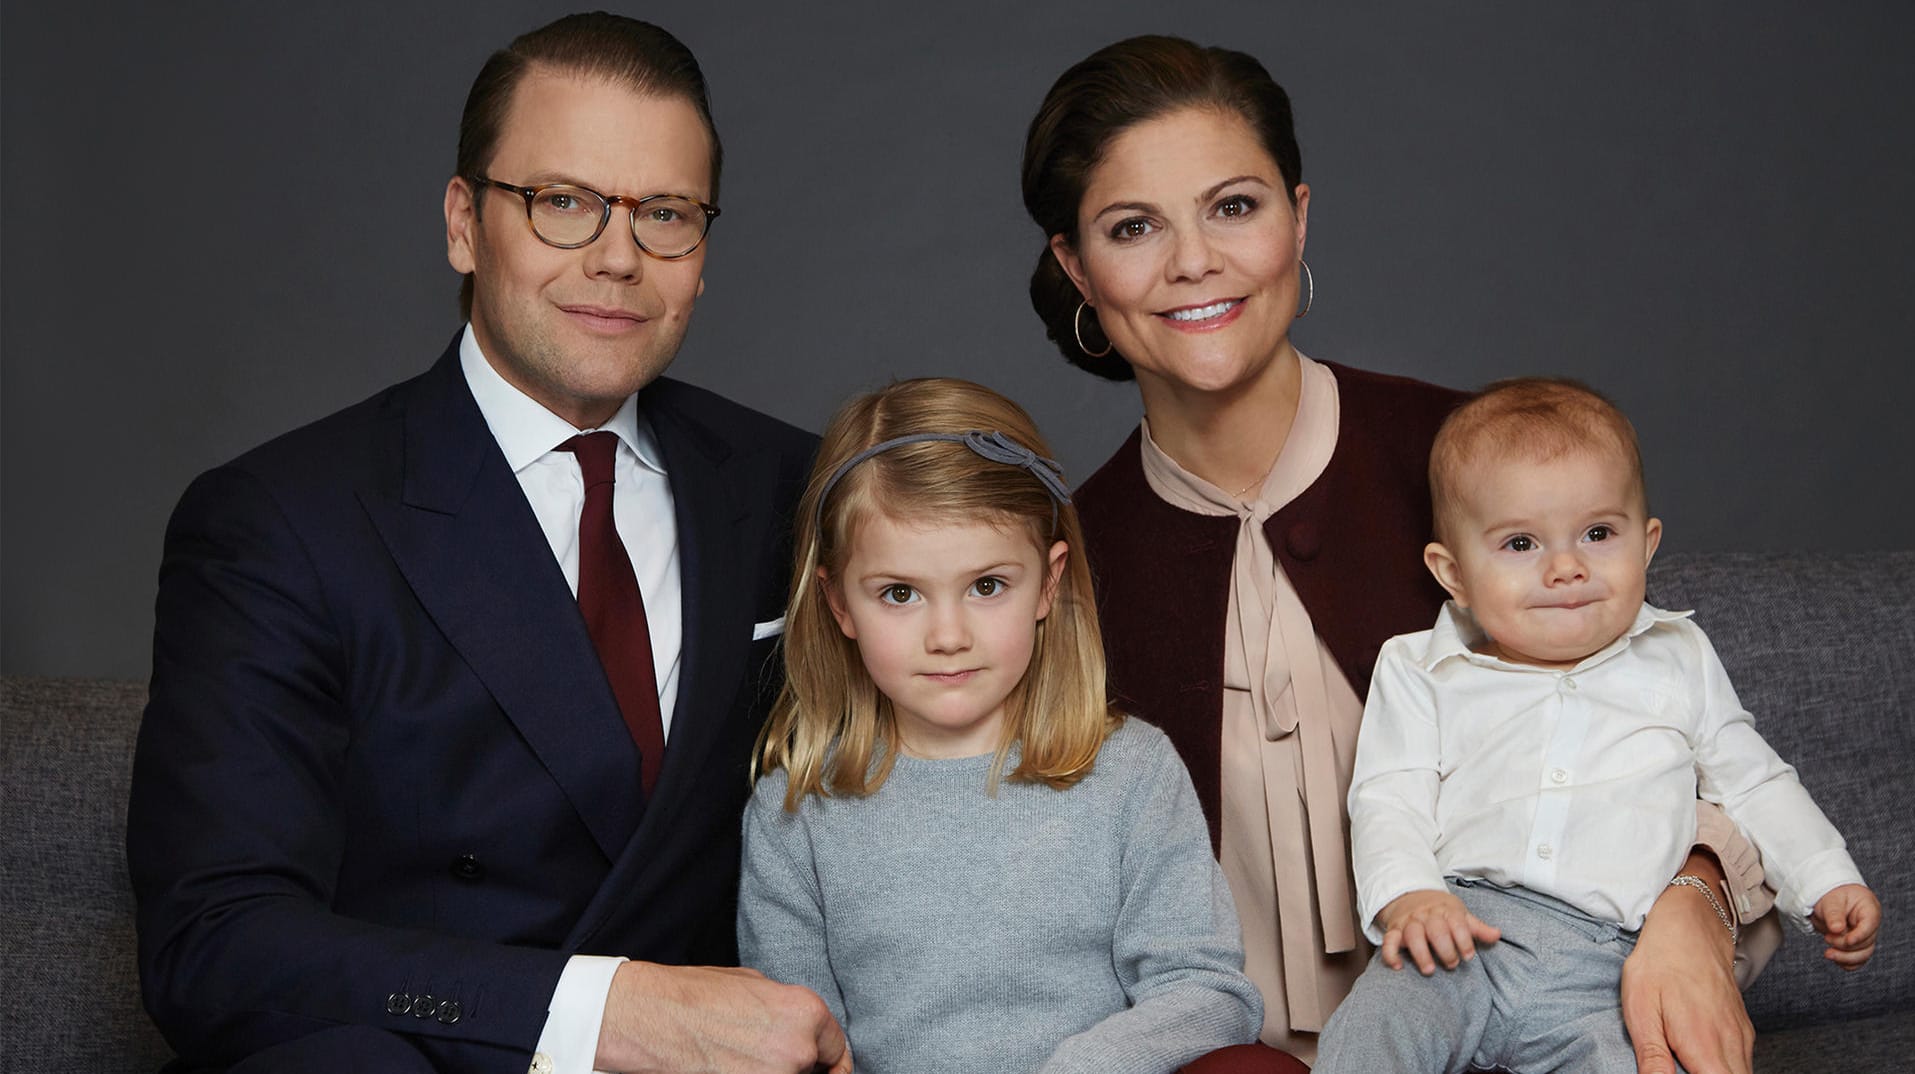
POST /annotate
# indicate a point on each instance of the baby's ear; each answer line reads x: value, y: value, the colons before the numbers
x: 1652, y: 539
x: 835, y: 601
x: 1442, y: 564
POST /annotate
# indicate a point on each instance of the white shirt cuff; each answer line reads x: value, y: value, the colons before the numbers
x: 569, y: 1042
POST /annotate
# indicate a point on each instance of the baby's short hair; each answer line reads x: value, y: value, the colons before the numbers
x: 1531, y: 418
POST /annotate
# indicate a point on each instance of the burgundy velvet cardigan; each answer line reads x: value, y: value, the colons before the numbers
x: 1351, y: 544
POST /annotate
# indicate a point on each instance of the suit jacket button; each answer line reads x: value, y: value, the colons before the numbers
x: 398, y: 1003
x: 424, y: 1006
x: 449, y: 1012
x: 469, y: 868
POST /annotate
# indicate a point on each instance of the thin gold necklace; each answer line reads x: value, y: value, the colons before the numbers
x: 1238, y: 495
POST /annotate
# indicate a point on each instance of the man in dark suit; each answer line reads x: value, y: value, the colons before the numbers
x: 454, y: 691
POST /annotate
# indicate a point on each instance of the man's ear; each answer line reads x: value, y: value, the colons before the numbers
x: 1442, y: 564
x: 1060, y: 554
x: 462, y: 222
x: 835, y: 601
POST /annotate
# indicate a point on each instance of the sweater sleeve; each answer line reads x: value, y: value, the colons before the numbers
x: 1177, y: 947
x: 781, y: 917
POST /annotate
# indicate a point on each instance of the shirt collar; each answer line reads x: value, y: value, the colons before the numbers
x: 526, y: 431
x: 1456, y: 635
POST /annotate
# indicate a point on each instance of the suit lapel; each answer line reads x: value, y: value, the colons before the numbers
x: 710, y: 496
x: 717, y: 610
x: 472, y: 551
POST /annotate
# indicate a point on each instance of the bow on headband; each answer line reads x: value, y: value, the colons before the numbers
x: 992, y: 445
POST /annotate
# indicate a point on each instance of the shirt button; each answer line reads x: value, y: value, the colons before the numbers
x: 541, y: 1064
x: 1558, y: 776
x: 1569, y: 684
x: 1545, y: 852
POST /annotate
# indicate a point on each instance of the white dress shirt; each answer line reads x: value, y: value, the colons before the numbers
x: 529, y: 435
x: 1577, y: 783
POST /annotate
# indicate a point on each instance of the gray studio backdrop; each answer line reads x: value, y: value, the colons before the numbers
x: 222, y: 220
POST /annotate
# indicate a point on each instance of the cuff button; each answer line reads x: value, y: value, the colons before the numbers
x: 449, y: 1012
x: 423, y: 1006
x: 398, y: 1003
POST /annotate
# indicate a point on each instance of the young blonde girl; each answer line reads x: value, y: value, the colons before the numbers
x: 953, y: 840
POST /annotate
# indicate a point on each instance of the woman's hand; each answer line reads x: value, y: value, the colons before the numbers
x: 1679, y: 1000
x: 1431, y: 926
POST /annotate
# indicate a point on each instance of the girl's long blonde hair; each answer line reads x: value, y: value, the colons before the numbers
x: 831, y: 730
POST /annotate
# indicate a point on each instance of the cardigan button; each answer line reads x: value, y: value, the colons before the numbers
x: 1303, y: 540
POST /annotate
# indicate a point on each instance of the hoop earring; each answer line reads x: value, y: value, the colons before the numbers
x: 1077, y: 329
x: 1310, y: 296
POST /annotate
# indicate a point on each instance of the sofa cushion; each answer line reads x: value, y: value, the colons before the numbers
x: 71, y: 987
x: 1883, y: 1043
x: 1822, y: 652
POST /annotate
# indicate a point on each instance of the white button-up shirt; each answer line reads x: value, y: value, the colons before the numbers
x: 529, y: 436
x: 1577, y: 783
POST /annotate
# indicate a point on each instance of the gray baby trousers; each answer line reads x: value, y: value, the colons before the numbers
x: 1545, y: 997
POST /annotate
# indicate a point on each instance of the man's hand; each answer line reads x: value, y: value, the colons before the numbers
x: 1679, y: 999
x: 1848, y: 917
x: 1432, y: 926
x: 711, y: 1020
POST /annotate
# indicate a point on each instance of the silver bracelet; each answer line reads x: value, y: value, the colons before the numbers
x: 1688, y: 880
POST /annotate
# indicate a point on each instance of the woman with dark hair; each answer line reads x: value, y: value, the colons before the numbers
x: 1261, y: 534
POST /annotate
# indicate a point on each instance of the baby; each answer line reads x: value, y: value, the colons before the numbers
x: 1528, y: 769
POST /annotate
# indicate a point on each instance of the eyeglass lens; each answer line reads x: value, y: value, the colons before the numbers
x: 666, y: 225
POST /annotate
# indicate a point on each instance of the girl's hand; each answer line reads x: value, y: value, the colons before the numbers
x: 1848, y: 918
x: 1432, y: 926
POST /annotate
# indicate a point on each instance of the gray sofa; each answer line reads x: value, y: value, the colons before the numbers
x: 1822, y: 650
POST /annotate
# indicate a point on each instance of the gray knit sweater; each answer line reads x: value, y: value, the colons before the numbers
x: 1087, y: 929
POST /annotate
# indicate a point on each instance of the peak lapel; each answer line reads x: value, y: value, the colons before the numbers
x: 711, y: 507
x: 468, y: 544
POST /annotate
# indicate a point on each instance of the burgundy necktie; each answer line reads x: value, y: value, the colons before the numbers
x: 614, y: 609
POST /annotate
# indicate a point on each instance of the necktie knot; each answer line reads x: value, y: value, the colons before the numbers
x: 596, y: 453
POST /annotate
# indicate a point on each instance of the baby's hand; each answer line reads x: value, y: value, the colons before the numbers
x: 1847, y: 918
x: 1432, y: 923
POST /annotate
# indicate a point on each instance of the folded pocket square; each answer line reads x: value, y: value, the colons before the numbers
x: 761, y: 631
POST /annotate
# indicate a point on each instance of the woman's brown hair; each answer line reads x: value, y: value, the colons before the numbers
x: 1103, y: 95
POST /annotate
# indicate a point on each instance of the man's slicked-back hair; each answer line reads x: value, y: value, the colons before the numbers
x: 1529, y: 418
x: 593, y: 45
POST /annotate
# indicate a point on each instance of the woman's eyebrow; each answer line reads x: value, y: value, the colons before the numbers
x: 1125, y: 206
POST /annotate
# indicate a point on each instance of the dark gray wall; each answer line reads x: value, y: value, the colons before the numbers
x: 223, y: 220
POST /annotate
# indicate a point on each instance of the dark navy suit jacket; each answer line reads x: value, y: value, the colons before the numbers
x: 381, y: 762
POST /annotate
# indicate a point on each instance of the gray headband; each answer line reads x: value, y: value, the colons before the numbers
x: 993, y: 445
